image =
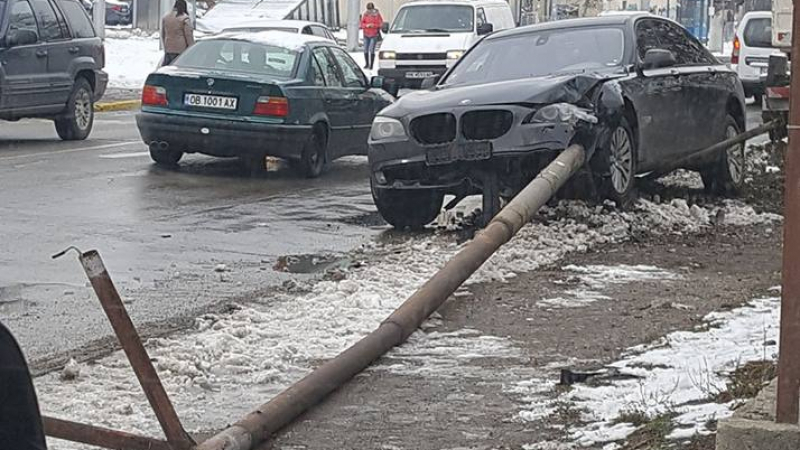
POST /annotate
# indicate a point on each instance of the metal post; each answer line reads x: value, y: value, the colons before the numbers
x: 193, y: 12
x: 98, y: 436
x: 353, y: 10
x: 109, y: 298
x: 789, y: 359
x: 99, y: 17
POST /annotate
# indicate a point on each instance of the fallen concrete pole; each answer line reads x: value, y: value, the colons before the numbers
x: 259, y: 425
x: 101, y: 437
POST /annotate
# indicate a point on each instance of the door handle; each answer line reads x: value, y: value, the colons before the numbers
x: 41, y: 53
x: 74, y: 50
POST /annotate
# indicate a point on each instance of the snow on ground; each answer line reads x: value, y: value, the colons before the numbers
x: 216, y: 371
x: 679, y: 374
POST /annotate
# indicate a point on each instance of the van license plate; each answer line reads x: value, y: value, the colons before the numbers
x: 418, y: 75
x: 210, y: 101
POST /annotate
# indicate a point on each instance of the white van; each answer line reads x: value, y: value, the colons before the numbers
x: 751, y: 49
x: 428, y: 36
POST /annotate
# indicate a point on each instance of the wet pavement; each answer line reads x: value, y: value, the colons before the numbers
x: 178, y: 243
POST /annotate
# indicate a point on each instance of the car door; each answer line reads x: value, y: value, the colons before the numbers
x: 362, y: 100
x: 60, y: 50
x: 337, y: 99
x: 658, y: 99
x: 24, y: 67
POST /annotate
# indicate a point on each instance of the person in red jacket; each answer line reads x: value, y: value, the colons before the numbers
x: 371, y: 22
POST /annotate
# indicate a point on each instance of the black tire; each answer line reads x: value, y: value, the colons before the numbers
x: 78, y: 118
x: 407, y: 208
x: 314, y: 158
x: 617, y: 165
x: 168, y: 158
x: 725, y: 176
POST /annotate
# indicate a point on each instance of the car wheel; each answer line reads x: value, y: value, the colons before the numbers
x: 619, y: 165
x: 312, y: 161
x: 78, y: 118
x: 407, y: 208
x: 165, y: 157
x: 726, y: 175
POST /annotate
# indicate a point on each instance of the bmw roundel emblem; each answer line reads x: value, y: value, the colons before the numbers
x: 210, y: 81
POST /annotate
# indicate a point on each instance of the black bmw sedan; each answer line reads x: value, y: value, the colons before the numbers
x: 638, y: 91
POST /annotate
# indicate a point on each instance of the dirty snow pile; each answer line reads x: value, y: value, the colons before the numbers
x: 130, y: 58
x: 216, y: 371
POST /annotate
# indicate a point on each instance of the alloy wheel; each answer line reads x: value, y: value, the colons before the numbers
x: 735, y: 156
x: 83, y: 109
x: 621, y: 159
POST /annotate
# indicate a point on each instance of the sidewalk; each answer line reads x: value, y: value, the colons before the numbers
x: 119, y: 99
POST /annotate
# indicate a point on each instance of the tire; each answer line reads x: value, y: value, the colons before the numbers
x: 78, y: 118
x: 168, y: 158
x: 726, y: 175
x: 314, y: 157
x: 618, y: 166
x: 404, y: 208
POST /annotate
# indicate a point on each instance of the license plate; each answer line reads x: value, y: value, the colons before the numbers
x: 469, y: 151
x: 418, y: 75
x: 210, y: 101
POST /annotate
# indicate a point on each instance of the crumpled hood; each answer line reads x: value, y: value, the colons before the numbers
x: 569, y: 88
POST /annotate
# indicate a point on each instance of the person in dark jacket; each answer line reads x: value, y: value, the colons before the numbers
x: 177, y: 33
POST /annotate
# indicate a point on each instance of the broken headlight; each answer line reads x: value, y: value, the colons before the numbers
x: 387, y: 129
x: 563, y: 112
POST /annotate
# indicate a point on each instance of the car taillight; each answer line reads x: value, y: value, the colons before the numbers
x: 272, y: 106
x: 154, y: 96
x: 116, y: 7
x: 736, y: 47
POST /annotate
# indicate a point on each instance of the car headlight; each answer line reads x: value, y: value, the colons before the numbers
x: 385, y: 128
x: 563, y: 112
x: 455, y: 54
x: 387, y: 55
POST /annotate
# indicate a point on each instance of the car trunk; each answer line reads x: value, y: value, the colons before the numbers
x: 213, y: 93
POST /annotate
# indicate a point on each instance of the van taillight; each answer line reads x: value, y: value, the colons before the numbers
x: 272, y: 106
x: 736, y: 47
x: 154, y: 96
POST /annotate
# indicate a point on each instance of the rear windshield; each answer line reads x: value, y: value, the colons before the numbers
x: 539, y: 54
x: 434, y: 18
x: 758, y: 33
x: 231, y: 55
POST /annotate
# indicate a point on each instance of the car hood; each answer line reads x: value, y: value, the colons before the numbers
x: 426, y: 42
x: 570, y: 88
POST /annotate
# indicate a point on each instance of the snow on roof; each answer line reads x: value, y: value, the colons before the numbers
x: 290, y: 41
x: 230, y: 13
x: 252, y: 23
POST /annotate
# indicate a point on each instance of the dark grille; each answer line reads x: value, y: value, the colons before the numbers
x: 485, y: 125
x: 421, y: 56
x: 434, y: 128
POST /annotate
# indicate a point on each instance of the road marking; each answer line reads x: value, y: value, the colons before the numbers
x: 70, y: 150
x: 124, y: 155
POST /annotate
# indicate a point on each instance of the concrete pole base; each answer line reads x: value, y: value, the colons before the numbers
x: 745, y: 434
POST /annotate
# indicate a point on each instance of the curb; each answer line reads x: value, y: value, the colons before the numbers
x: 123, y: 105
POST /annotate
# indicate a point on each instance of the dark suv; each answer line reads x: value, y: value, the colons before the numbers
x: 50, y: 64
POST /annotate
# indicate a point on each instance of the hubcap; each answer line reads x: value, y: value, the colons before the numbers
x: 621, y: 159
x: 735, y: 156
x: 83, y: 109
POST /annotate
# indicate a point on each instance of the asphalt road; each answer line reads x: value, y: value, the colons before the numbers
x: 162, y: 233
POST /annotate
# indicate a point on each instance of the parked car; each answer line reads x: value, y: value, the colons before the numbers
x: 427, y: 37
x: 751, y: 49
x: 252, y: 95
x: 118, y: 12
x: 639, y: 92
x: 288, y: 26
x: 50, y: 67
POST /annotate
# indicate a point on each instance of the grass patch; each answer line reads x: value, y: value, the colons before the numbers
x: 652, y: 435
x: 747, y: 381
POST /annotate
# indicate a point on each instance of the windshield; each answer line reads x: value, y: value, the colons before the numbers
x: 538, y: 54
x: 758, y: 33
x: 258, y: 29
x: 239, y: 56
x: 434, y: 18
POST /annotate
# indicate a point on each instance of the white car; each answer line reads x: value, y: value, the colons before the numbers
x: 428, y: 37
x: 751, y: 49
x: 288, y: 26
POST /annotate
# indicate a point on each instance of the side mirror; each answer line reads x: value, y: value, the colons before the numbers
x: 385, y: 27
x: 16, y: 38
x: 657, y: 58
x: 430, y: 82
x: 377, y: 82
x: 485, y: 29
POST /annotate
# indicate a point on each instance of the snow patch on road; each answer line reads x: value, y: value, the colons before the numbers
x: 215, y: 371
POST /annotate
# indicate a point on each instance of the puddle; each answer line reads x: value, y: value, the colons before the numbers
x: 311, y: 263
x: 372, y: 219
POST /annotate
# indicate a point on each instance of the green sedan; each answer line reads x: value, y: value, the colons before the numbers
x: 252, y: 95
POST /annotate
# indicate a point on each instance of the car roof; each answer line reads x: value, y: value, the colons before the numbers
x: 454, y: 2
x: 253, y: 22
x: 610, y: 20
x: 291, y: 41
x: 757, y: 15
